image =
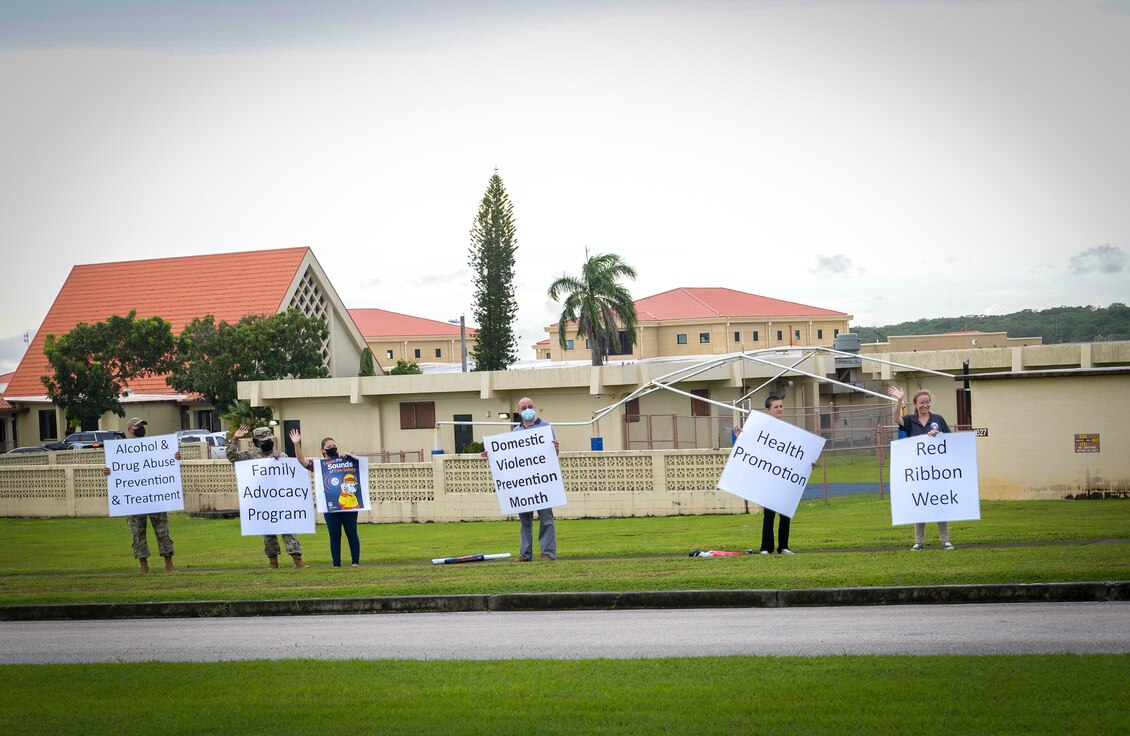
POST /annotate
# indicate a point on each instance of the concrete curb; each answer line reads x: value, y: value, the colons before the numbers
x: 1009, y: 593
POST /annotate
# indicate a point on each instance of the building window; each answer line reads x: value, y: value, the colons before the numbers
x: 780, y: 336
x: 388, y: 354
x: 704, y: 337
x: 737, y: 337
x: 681, y: 338
x: 439, y: 352
x: 588, y: 344
x: 568, y: 344
x: 416, y: 353
x: 48, y: 426
x: 632, y: 410
x: 755, y: 337
x: 820, y: 334
x: 835, y: 333
x: 700, y: 408
x: 417, y: 414
x: 796, y: 334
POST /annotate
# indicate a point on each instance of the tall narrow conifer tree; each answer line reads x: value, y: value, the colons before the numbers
x: 493, y: 244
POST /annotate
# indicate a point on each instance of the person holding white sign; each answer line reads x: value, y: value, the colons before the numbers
x: 264, y: 440
x: 921, y: 422
x: 547, y: 533
x: 135, y: 427
x: 774, y: 407
x: 336, y: 521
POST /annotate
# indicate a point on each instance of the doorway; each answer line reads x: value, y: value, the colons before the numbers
x: 464, y: 433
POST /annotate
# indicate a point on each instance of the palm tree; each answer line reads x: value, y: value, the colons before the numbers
x: 597, y: 303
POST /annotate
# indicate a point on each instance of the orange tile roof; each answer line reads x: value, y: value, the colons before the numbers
x: 378, y: 323
x: 229, y: 286
x: 705, y: 303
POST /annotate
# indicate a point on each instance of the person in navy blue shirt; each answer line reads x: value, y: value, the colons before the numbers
x: 921, y: 422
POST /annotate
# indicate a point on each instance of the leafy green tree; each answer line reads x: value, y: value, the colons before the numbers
x: 94, y: 363
x: 213, y: 358
x: 1054, y: 325
x: 598, y: 305
x: 241, y: 413
x: 368, y: 364
x: 493, y: 243
x: 404, y: 368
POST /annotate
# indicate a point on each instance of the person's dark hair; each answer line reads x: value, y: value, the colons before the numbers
x: 771, y: 399
x: 324, y: 441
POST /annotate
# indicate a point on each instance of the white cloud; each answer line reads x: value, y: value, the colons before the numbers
x: 1100, y: 259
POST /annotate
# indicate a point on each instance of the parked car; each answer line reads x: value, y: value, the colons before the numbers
x: 84, y: 440
x: 37, y: 448
x: 192, y: 435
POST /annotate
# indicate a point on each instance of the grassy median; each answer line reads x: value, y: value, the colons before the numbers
x: 848, y: 541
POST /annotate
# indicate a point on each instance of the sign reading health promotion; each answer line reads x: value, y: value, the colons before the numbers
x: 934, y: 478
x: 274, y: 497
x: 770, y: 463
x: 144, y: 475
x: 342, y: 484
x: 525, y: 470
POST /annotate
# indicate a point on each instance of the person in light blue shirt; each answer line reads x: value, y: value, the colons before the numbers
x: 547, y: 533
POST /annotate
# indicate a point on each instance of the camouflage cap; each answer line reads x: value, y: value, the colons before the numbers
x: 261, y: 433
x: 135, y: 421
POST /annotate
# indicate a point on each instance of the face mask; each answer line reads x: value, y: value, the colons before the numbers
x: 267, y: 446
x: 330, y: 451
x: 528, y: 415
x: 139, y: 431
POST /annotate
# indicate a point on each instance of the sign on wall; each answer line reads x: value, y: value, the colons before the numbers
x: 525, y: 470
x: 934, y: 478
x: 144, y: 475
x: 1086, y: 443
x: 770, y: 463
x: 274, y: 497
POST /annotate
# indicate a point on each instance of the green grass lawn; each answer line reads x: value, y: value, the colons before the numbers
x: 848, y: 541
x: 698, y: 695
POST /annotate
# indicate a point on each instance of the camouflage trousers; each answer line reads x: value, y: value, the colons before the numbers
x: 160, y: 524
x: 271, y: 545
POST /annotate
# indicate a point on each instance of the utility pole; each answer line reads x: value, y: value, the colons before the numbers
x: 463, y: 339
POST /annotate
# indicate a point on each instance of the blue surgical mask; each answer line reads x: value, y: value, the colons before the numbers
x: 528, y: 415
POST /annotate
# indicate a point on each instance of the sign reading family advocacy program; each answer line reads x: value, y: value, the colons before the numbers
x: 934, y: 478
x: 274, y: 497
x: 770, y: 463
x: 526, y: 474
x: 144, y: 475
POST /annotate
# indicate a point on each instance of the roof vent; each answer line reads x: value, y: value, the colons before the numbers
x: 848, y: 342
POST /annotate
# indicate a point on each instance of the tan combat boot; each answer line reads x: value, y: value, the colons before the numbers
x: 144, y: 564
x: 298, y: 561
x: 274, y: 562
x: 169, y: 564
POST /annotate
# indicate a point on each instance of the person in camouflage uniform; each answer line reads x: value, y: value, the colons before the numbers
x: 264, y: 441
x: 135, y: 427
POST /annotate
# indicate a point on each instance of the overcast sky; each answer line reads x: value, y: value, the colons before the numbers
x: 892, y: 160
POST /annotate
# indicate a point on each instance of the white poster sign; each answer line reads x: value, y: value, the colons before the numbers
x: 526, y: 473
x: 770, y: 463
x: 342, y: 484
x: 144, y: 475
x: 934, y: 478
x: 274, y: 497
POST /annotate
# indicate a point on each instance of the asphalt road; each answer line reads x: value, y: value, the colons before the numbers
x: 1009, y: 628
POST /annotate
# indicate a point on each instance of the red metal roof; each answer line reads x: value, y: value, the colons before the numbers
x: 710, y: 302
x: 228, y: 286
x: 378, y: 323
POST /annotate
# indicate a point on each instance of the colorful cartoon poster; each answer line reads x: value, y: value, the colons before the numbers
x: 342, y: 484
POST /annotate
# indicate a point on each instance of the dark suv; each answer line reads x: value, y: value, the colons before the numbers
x: 83, y: 440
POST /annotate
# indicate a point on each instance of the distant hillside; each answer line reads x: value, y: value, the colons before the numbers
x: 1060, y: 324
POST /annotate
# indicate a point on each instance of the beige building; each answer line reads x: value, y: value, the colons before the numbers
x: 708, y: 321
x: 393, y: 337
x: 948, y: 341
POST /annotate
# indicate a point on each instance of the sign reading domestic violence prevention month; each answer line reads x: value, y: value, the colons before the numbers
x: 526, y: 474
x: 934, y: 478
x: 144, y: 475
x: 770, y: 463
x: 341, y: 484
x: 274, y: 497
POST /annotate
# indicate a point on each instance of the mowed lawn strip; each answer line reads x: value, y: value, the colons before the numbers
x: 846, y: 542
x: 698, y: 695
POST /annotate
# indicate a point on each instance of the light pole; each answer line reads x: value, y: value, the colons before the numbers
x: 462, y: 338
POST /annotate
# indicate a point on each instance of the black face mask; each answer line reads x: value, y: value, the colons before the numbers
x: 139, y: 431
x: 267, y: 446
x: 330, y: 451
